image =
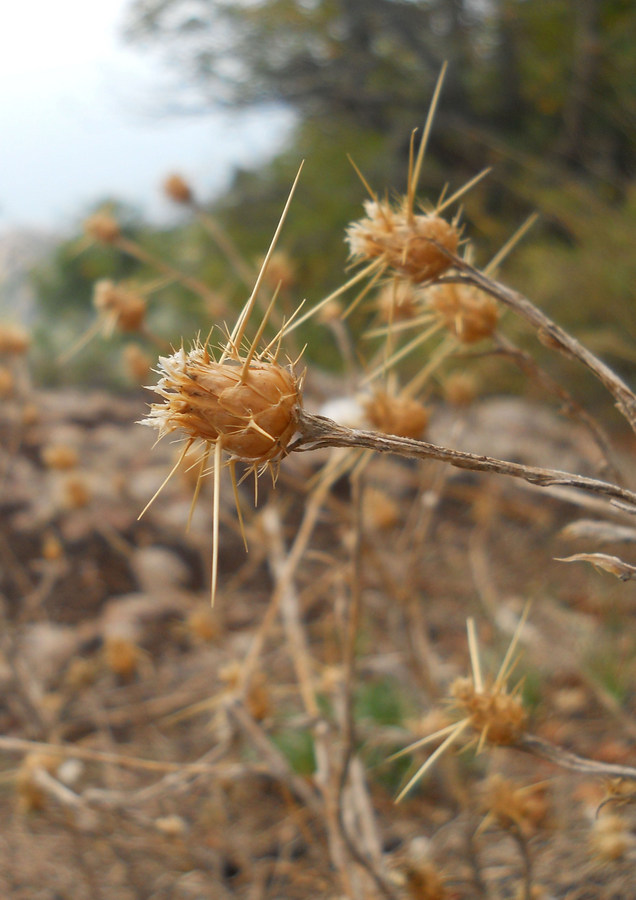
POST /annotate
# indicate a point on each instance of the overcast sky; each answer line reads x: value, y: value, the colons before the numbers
x: 75, y: 121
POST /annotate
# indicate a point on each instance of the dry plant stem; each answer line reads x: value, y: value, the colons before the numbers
x: 526, y: 858
x: 550, y: 331
x: 290, y: 608
x: 348, y: 682
x: 277, y: 763
x: 225, y: 245
x: 318, y: 431
x: 73, y: 751
x: 545, y: 750
x: 569, y: 405
x: 131, y: 248
x: 313, y: 509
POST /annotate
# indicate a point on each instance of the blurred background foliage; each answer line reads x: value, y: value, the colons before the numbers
x: 544, y: 91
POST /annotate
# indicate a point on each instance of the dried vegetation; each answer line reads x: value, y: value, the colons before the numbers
x: 329, y: 727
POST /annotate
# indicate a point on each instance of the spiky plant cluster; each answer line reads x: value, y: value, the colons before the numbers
x: 242, y: 405
x: 14, y: 340
x: 487, y: 711
x: 468, y: 313
x: 120, y: 307
x: 402, y: 416
x: 410, y: 244
x: 247, y: 405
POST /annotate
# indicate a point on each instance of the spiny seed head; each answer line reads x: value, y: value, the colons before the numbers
x: 460, y: 388
x: 400, y: 416
x: 14, y: 341
x: 7, y: 383
x: 127, y: 307
x: 59, y: 456
x: 138, y: 363
x: 102, y: 227
x: 398, y: 301
x: 525, y: 807
x: 252, y: 410
x: 177, y: 189
x: 280, y: 271
x: 405, y: 242
x: 497, y: 713
x: 466, y: 311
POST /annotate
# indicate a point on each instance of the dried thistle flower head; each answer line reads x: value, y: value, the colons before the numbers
x: 243, y: 403
x: 7, y: 383
x: 398, y: 301
x: 499, y: 717
x: 399, y: 415
x: 251, y: 410
x: 102, y: 227
x: 124, y: 308
x: 76, y: 493
x: 411, y: 244
x: 122, y: 656
x: 31, y: 796
x: 460, y: 389
x: 466, y: 311
x: 329, y: 312
x: 611, y: 838
x: 280, y: 272
x: 379, y: 510
x: 14, y: 340
x: 177, y: 189
x: 59, y: 456
x: 495, y: 713
x: 424, y: 882
x: 524, y: 807
x: 137, y: 363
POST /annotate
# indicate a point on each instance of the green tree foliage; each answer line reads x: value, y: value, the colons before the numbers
x: 544, y: 92
x: 557, y: 75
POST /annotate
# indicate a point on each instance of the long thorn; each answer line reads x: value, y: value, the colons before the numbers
x: 376, y: 264
x: 504, y: 670
x: 452, y: 737
x: 241, y: 324
x: 167, y: 479
x: 417, y: 168
x: 197, y: 487
x: 364, y: 181
x: 404, y: 351
x: 422, y: 742
x: 218, y: 448
x: 511, y: 243
x: 259, y: 334
x: 475, y: 663
x: 462, y: 190
x: 237, y: 502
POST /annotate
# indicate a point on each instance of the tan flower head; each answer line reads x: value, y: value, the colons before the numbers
x: 466, y: 311
x: 126, y: 308
x: 137, y: 362
x: 412, y: 245
x: 177, y: 189
x: 398, y: 415
x: 251, y: 410
x: 398, y: 301
x: 14, y: 340
x: 102, y: 227
x: 242, y: 403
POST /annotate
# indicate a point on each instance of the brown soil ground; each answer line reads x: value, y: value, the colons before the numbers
x: 109, y: 648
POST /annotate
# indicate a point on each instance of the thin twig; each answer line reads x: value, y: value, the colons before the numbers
x: 539, y: 747
x: 548, y: 332
x: 317, y: 431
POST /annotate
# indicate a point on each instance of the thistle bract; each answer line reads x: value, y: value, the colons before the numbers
x: 251, y: 409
